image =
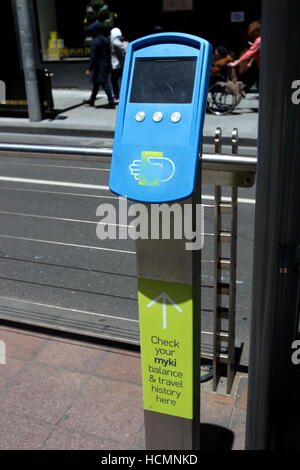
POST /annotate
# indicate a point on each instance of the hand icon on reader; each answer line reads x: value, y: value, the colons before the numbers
x: 152, y: 169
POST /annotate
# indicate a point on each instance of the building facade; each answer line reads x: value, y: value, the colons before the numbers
x: 59, y: 27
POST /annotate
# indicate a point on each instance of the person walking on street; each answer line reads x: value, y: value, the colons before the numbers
x: 100, y: 65
x: 118, y: 49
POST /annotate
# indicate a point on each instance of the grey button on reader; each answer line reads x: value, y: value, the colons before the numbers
x: 158, y: 116
x: 140, y: 116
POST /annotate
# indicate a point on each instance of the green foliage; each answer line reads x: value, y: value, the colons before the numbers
x: 98, y: 10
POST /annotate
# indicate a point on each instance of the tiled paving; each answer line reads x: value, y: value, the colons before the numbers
x: 57, y: 393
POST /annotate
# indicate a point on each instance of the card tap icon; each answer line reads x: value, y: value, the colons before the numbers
x: 153, y: 169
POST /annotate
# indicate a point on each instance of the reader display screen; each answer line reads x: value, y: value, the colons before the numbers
x: 163, y: 80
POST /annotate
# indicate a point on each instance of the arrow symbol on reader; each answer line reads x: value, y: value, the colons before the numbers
x: 164, y: 298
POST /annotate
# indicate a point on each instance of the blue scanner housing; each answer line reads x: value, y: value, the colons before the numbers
x: 160, y: 117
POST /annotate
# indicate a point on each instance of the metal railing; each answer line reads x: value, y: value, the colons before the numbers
x: 232, y: 171
x: 242, y: 164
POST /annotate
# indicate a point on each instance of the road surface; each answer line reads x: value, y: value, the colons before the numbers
x: 54, y: 271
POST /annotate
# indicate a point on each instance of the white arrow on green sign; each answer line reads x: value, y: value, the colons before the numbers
x: 166, y: 330
x: 164, y: 300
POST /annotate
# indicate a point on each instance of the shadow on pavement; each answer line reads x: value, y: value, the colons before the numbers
x: 57, y: 112
x: 215, y: 437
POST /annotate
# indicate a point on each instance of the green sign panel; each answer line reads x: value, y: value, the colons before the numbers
x: 166, y: 330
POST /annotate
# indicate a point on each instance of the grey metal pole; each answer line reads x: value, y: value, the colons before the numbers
x: 28, y: 59
x: 166, y: 266
x: 277, y: 232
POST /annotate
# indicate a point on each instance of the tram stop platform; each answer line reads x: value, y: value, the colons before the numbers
x: 58, y: 393
x: 78, y: 124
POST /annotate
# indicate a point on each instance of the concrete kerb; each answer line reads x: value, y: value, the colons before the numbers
x: 105, y: 133
x: 70, y: 131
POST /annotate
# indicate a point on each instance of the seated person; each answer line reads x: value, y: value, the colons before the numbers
x: 221, y: 58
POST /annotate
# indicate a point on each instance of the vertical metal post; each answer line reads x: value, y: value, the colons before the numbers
x: 232, y: 281
x: 217, y: 314
x: 218, y: 140
x: 217, y: 317
x: 221, y: 314
x: 28, y: 59
x: 235, y: 141
x: 232, y: 289
x: 277, y: 230
x: 168, y: 273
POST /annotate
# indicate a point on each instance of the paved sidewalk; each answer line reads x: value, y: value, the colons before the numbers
x: 79, y: 120
x: 57, y: 393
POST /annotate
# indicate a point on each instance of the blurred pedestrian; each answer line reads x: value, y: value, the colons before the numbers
x: 100, y: 65
x: 118, y: 50
x: 251, y: 56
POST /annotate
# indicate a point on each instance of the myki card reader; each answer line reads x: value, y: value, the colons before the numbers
x: 160, y: 117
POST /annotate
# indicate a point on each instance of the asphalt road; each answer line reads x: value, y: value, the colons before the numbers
x: 55, y: 271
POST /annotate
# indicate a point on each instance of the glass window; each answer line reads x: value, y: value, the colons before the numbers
x: 63, y: 27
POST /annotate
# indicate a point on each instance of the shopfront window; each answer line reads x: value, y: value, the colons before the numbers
x: 63, y: 26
